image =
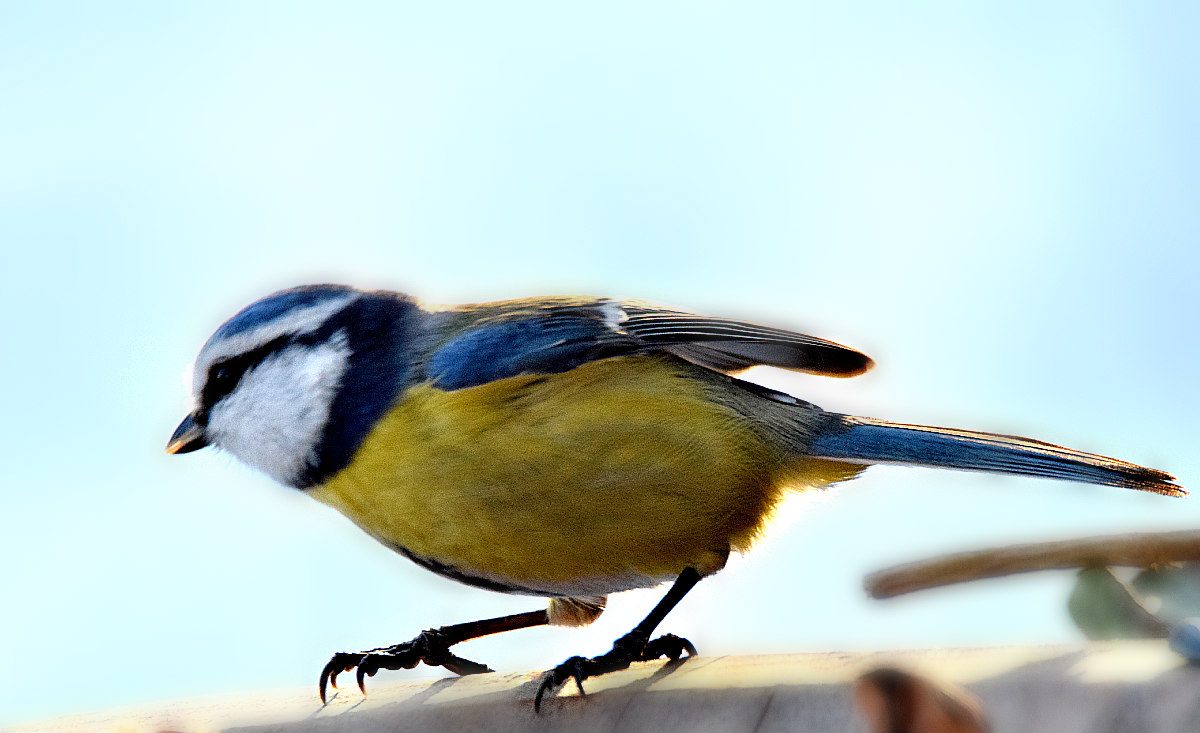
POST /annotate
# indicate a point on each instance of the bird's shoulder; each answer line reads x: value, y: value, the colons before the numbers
x: 476, y: 343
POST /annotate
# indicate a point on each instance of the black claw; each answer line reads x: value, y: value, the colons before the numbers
x: 633, y: 647
x: 321, y: 685
x: 463, y: 667
x: 341, y: 662
x: 429, y: 647
x: 670, y: 646
x: 548, y: 683
x: 579, y: 684
x: 570, y: 669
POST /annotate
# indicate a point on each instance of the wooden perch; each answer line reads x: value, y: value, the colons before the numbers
x: 1139, y: 550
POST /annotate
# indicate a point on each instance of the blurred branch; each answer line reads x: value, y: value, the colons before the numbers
x: 1139, y: 550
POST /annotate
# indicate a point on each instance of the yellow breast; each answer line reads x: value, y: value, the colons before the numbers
x: 617, y: 474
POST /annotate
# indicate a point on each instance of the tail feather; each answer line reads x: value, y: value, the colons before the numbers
x: 864, y: 440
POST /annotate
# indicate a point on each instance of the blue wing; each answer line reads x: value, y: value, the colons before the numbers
x: 546, y: 341
x: 558, y: 334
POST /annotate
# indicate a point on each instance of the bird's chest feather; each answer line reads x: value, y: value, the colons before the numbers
x: 618, y: 473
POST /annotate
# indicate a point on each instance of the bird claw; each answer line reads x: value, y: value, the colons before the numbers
x: 670, y: 646
x: 633, y: 647
x: 341, y: 662
x: 429, y: 646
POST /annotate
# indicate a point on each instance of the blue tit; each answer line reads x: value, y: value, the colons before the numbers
x: 564, y: 447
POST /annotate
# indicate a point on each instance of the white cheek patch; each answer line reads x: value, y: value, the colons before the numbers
x: 274, y: 419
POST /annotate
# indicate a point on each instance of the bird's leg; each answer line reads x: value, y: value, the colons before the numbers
x: 635, y: 646
x: 431, y: 646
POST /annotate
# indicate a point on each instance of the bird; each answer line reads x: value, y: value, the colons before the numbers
x: 565, y: 447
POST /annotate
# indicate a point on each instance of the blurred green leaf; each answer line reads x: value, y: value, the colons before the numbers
x: 1103, y: 607
x: 1171, y: 592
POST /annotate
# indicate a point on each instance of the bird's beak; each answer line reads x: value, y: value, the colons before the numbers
x: 187, y: 437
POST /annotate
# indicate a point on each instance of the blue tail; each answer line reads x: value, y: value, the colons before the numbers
x: 868, y: 441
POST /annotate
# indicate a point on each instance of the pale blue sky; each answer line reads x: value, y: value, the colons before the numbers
x: 996, y: 201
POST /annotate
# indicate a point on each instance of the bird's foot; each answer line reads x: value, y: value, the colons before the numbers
x: 633, y: 647
x: 429, y: 646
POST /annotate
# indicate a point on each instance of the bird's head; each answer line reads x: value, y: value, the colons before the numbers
x: 265, y: 383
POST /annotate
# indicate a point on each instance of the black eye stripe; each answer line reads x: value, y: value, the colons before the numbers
x: 223, y: 376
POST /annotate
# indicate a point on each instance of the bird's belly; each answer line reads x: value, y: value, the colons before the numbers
x: 615, y: 475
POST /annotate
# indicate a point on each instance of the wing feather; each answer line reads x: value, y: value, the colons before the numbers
x: 728, y: 345
x: 498, y: 340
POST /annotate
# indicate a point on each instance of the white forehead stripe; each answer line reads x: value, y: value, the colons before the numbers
x: 297, y: 321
